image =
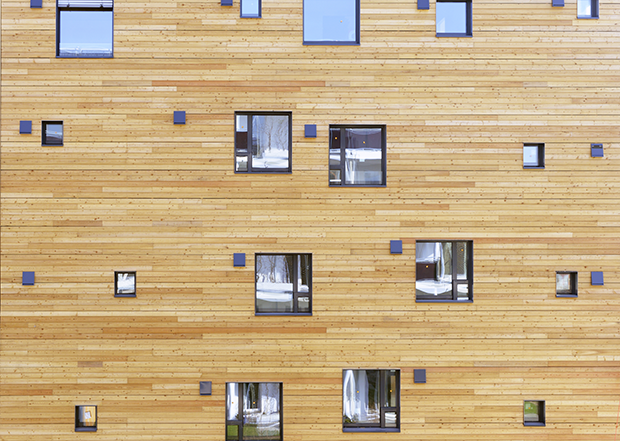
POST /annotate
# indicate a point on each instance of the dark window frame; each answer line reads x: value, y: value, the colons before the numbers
x: 332, y: 42
x: 572, y: 292
x: 44, y: 141
x: 239, y: 422
x: 248, y: 147
x: 541, y: 155
x: 368, y: 427
x: 135, y: 286
x: 296, y: 293
x: 469, y: 20
x: 594, y: 8
x: 60, y: 9
x: 79, y: 428
x: 455, y: 281
x: 260, y: 10
x: 541, y: 413
x: 341, y: 168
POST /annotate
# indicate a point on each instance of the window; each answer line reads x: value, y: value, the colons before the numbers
x: 85, y: 418
x: 587, y: 8
x: 84, y: 28
x: 250, y: 8
x: 566, y: 284
x: 453, y: 18
x: 533, y: 413
x: 124, y: 284
x: 370, y: 400
x: 263, y: 142
x: 333, y: 22
x: 253, y: 411
x: 357, y: 155
x: 51, y: 133
x: 533, y: 156
x: 444, y: 271
x: 284, y: 284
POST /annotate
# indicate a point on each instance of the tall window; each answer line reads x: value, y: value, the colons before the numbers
x: 253, y: 411
x: 332, y: 22
x: 587, y: 8
x: 263, y: 142
x: 371, y: 400
x: 444, y: 271
x: 357, y: 155
x: 453, y: 18
x: 84, y: 28
x: 284, y: 284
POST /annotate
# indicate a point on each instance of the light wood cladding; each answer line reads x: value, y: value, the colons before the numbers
x: 130, y: 191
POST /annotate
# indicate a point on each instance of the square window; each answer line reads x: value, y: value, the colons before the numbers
x: 124, y: 284
x: 587, y: 8
x: 371, y: 400
x: 533, y: 413
x: 444, y: 271
x: 357, y: 156
x: 453, y: 18
x: 84, y: 28
x: 85, y: 418
x: 250, y: 8
x: 332, y: 22
x: 253, y: 411
x: 566, y: 284
x: 533, y: 156
x: 284, y: 284
x: 263, y: 142
x: 51, y: 133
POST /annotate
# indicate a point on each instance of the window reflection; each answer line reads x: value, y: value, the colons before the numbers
x: 85, y: 33
x: 331, y: 21
x: 283, y: 283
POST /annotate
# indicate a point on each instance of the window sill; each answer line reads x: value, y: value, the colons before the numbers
x: 453, y: 35
x: 566, y: 295
x: 85, y: 56
x: 534, y: 424
x: 265, y: 172
x: 52, y: 145
x: 331, y: 43
x: 125, y: 295
x: 587, y: 18
x: 443, y: 301
x: 370, y: 429
x: 527, y: 167
x: 288, y: 314
x: 357, y: 185
x: 85, y: 429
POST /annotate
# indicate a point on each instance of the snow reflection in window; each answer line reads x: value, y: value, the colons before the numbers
x: 283, y: 283
x: 253, y: 411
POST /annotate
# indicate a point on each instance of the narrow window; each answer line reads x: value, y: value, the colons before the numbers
x: 85, y: 418
x: 371, y: 400
x: 250, y: 8
x: 332, y: 22
x: 453, y: 18
x: 533, y: 413
x: 566, y: 284
x: 124, y: 284
x: 51, y: 133
x: 263, y: 142
x: 357, y: 156
x: 533, y: 156
x: 284, y: 284
x: 444, y: 271
x: 587, y: 8
x: 84, y: 28
x: 253, y: 411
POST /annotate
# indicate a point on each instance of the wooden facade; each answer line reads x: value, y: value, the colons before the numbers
x: 131, y: 191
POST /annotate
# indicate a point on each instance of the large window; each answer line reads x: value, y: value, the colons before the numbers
x: 331, y: 22
x: 444, y: 271
x: 371, y: 400
x: 357, y: 155
x: 587, y: 8
x: 263, y: 142
x: 284, y: 284
x: 253, y: 411
x: 453, y: 18
x: 84, y: 28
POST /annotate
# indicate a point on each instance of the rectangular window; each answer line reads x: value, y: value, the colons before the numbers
x: 263, y: 142
x: 566, y: 284
x: 587, y: 8
x: 444, y: 271
x: 84, y: 28
x: 250, y: 8
x: 371, y: 400
x: 124, y: 284
x: 533, y: 413
x: 51, y: 133
x: 332, y: 22
x: 453, y: 18
x: 284, y: 284
x: 533, y: 156
x: 357, y: 155
x: 85, y: 418
x: 253, y: 411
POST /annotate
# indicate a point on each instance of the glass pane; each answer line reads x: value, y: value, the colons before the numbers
x: 85, y: 34
x: 270, y: 141
x: 361, y: 397
x: 241, y: 123
x: 390, y: 419
x: 274, y: 283
x: 584, y: 8
x: 531, y: 411
x: 530, y: 156
x: 303, y: 273
x: 562, y: 283
x: 241, y: 163
x: 232, y: 402
x: 391, y: 389
x: 303, y: 304
x: 461, y: 260
x: 334, y: 177
x: 451, y: 18
x: 363, y: 157
x: 232, y: 432
x: 87, y: 416
x: 250, y: 8
x: 53, y: 134
x: 125, y: 283
x: 462, y: 292
x: 434, y: 270
x: 261, y: 411
x: 330, y: 21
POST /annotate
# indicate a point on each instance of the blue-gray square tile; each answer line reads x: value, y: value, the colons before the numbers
x: 28, y: 278
x: 25, y: 127
x: 179, y: 116
x: 239, y: 259
x: 597, y: 277
x: 310, y: 131
x: 396, y: 246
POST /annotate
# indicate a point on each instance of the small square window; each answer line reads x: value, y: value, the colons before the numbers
x: 284, y: 284
x: 587, y: 8
x: 84, y: 28
x: 250, y: 8
x: 85, y: 418
x: 453, y: 18
x: 253, y: 411
x: 357, y: 156
x: 124, y: 284
x: 263, y: 142
x: 566, y: 284
x: 332, y: 22
x: 533, y: 156
x: 51, y: 133
x: 533, y: 413
x: 444, y: 271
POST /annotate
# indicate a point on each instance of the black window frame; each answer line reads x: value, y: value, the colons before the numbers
x: 469, y: 20
x: 44, y: 140
x: 541, y: 155
x: 594, y: 7
x: 78, y: 427
x: 332, y: 42
x: 59, y: 9
x: 341, y: 168
x: 369, y: 427
x: 572, y: 291
x: 239, y: 422
x: 260, y: 10
x: 541, y: 413
x: 455, y: 281
x: 296, y: 293
x: 248, y: 147
x: 135, y: 284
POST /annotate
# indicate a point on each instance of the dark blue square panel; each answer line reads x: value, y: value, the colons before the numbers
x: 179, y: 116
x: 36, y: 3
x: 596, y: 150
x: 226, y: 3
x: 396, y: 246
x: 557, y: 3
x: 310, y: 131
x: 597, y: 277
x: 205, y: 388
x: 419, y: 375
x: 28, y: 278
x: 239, y: 259
x: 25, y: 127
x: 423, y: 4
